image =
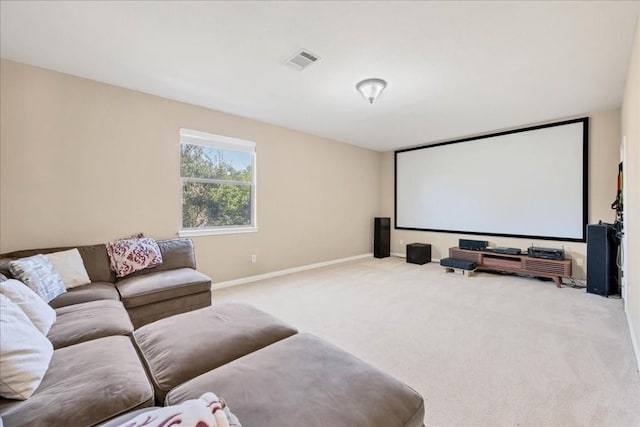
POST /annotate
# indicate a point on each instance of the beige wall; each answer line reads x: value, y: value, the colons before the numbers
x: 83, y: 162
x: 604, y: 155
x: 631, y: 131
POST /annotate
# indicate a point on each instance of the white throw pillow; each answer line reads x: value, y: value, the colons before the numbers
x: 24, y: 353
x: 70, y: 267
x: 39, y: 312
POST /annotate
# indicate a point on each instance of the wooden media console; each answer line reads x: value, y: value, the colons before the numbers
x: 520, y: 264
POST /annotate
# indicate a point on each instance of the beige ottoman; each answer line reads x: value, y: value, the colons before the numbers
x: 305, y: 381
x: 179, y: 348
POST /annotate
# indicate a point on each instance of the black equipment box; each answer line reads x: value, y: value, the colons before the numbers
x: 546, y: 253
x: 418, y: 253
x: 474, y: 245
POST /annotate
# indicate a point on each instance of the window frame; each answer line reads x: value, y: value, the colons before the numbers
x: 194, y: 137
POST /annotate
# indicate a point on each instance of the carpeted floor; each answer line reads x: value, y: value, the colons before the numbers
x: 490, y: 350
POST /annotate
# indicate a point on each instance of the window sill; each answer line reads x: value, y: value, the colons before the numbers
x: 215, y: 231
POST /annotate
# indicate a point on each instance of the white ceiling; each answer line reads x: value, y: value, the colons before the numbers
x: 453, y: 68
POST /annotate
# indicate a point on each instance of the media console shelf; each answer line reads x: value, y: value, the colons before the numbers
x: 521, y: 264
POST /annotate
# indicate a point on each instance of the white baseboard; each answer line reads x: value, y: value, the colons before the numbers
x: 634, y: 343
x: 250, y: 279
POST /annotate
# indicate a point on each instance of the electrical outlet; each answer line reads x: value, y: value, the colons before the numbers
x: 579, y: 262
x: 253, y: 258
x: 401, y: 242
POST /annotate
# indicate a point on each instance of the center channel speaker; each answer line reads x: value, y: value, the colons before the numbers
x: 382, y: 237
x: 474, y: 245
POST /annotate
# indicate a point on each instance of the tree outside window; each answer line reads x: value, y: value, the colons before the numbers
x: 218, y: 189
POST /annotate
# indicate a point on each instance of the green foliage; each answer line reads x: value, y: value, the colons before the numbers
x: 210, y: 204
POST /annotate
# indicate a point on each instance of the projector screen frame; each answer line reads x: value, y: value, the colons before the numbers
x: 585, y: 180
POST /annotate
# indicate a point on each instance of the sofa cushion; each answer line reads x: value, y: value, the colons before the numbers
x: 161, y: 285
x: 89, y: 321
x: 24, y: 352
x: 96, y: 261
x: 204, y: 339
x: 94, y: 291
x: 39, y: 274
x: 39, y: 312
x: 145, y: 314
x: 305, y: 381
x: 86, y: 384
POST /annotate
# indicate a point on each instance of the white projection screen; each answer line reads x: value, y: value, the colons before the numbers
x: 529, y: 182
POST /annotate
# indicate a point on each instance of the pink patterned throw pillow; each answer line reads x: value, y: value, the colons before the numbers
x: 130, y: 255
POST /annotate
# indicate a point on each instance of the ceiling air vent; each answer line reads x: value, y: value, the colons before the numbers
x: 302, y: 59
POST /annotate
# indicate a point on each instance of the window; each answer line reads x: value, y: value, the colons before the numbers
x: 218, y: 184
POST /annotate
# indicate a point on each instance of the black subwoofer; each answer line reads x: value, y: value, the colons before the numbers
x: 418, y: 253
x: 382, y: 237
x: 602, y: 252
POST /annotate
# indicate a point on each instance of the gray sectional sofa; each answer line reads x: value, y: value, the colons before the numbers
x: 94, y: 375
x: 172, y: 287
x: 123, y: 347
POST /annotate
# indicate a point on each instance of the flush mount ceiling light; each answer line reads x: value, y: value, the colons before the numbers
x: 371, y: 88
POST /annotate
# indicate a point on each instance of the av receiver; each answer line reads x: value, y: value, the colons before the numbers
x: 547, y: 253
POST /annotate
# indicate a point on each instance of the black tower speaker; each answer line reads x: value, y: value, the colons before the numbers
x: 382, y: 237
x: 602, y: 251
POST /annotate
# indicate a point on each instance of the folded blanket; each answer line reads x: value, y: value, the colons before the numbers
x: 207, y: 411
